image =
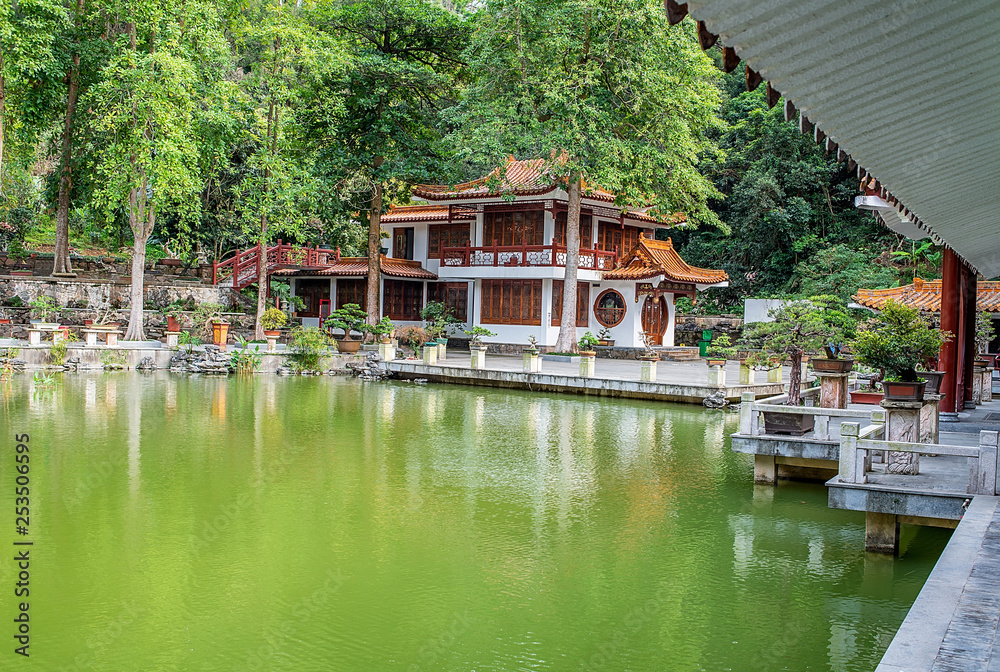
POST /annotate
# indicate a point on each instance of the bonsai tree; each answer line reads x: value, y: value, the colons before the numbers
x: 984, y: 331
x: 382, y: 328
x: 44, y: 308
x: 273, y: 319
x: 722, y: 347
x: 896, y: 340
x: 476, y: 334
x: 439, y: 317
x: 588, y: 342
x: 798, y: 328
x: 349, y: 318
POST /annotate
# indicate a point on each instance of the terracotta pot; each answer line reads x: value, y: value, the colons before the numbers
x: 607, y: 342
x: 588, y: 353
x: 173, y: 324
x: 88, y: 323
x: 827, y: 365
x: 654, y: 358
x: 903, y: 391
x: 933, y: 379
x: 793, y: 424
x: 272, y: 333
x: 385, y: 340
x: 865, y: 397
x: 4, y: 321
x: 22, y: 274
x: 220, y: 333
x: 348, y: 345
x: 715, y: 362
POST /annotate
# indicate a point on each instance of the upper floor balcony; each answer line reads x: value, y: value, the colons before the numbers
x: 524, y: 256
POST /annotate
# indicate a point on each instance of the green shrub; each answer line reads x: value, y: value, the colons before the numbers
x: 308, y: 348
x: 897, y: 340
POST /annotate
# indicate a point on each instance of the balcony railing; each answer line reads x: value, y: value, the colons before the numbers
x: 525, y: 255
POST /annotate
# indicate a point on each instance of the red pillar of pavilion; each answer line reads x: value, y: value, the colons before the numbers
x: 951, y: 305
x: 969, y: 345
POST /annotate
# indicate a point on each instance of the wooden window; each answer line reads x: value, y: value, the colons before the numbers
x: 586, y: 231
x: 440, y: 236
x: 402, y: 242
x: 582, y: 303
x: 613, y: 237
x: 609, y: 309
x: 511, y: 302
x: 351, y: 291
x: 454, y: 295
x: 312, y: 292
x: 510, y: 229
x: 402, y: 300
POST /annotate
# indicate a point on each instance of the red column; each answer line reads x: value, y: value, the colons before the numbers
x: 969, y: 349
x: 950, y: 305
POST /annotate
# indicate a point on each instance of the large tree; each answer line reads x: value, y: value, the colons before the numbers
x: 606, y: 94
x: 378, y: 114
x: 145, y: 112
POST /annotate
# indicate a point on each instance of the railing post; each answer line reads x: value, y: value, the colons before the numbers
x: 746, y: 411
x: 848, y: 470
x: 987, y: 463
x: 822, y: 427
x: 878, y: 418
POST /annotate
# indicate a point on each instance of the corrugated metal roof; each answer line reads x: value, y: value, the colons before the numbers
x: 651, y: 258
x: 925, y: 295
x: 910, y: 89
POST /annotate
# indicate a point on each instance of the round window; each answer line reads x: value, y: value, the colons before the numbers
x: 609, y: 308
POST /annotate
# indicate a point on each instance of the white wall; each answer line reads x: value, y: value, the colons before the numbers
x: 755, y: 310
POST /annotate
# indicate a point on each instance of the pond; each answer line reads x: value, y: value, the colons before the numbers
x: 189, y: 523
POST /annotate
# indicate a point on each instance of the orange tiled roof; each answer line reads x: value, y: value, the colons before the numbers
x: 358, y: 266
x: 650, y: 258
x: 925, y: 295
x: 417, y: 213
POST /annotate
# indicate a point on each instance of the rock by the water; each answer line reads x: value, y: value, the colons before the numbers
x: 715, y: 400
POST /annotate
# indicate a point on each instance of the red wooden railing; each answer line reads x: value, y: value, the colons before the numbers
x: 525, y: 255
x: 243, y: 266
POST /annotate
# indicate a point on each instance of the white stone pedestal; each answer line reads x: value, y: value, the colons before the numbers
x: 532, y: 362
x: 430, y: 354
x: 647, y: 373
x: 774, y: 375
x: 717, y: 376
x: 386, y: 351
x: 478, y: 357
x: 272, y: 343
x: 442, y: 351
x: 587, y: 366
x: 747, y: 375
x: 172, y: 339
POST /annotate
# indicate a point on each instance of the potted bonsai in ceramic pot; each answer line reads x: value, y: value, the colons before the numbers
x: 382, y: 330
x: 720, y: 350
x: 272, y: 321
x: 603, y: 337
x: 895, y: 341
x: 440, y: 320
x: 797, y: 328
x: 174, y: 313
x: 44, y: 312
x: 587, y: 344
x: 476, y: 346
x: 349, y: 318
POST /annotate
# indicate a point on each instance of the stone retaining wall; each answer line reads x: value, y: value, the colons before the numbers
x: 93, y: 293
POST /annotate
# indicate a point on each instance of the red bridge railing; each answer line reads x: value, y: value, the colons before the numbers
x: 243, y: 266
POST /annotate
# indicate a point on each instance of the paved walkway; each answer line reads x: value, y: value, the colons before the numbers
x: 952, y: 626
x: 677, y: 373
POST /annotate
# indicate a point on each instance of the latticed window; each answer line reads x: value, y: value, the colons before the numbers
x: 440, y: 236
x: 586, y: 231
x: 351, y: 291
x: 509, y: 229
x: 454, y: 295
x: 582, y: 303
x: 402, y: 300
x: 511, y: 302
x: 609, y: 308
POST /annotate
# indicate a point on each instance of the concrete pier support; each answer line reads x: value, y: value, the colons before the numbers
x: 747, y: 375
x: 431, y: 355
x: 881, y: 533
x: 587, y: 366
x: 765, y: 470
x: 478, y: 358
x: 717, y: 376
x: 833, y: 390
x: 386, y: 351
x: 531, y: 362
x: 774, y: 375
x: 647, y: 372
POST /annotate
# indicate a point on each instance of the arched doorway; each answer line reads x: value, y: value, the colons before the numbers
x: 655, y: 318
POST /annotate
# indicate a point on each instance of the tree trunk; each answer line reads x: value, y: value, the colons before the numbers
x: 262, y: 280
x: 374, y: 255
x: 567, y: 341
x: 142, y: 219
x: 62, y: 263
x: 3, y: 113
x: 795, y: 379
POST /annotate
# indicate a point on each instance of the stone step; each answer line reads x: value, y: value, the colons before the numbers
x: 681, y: 354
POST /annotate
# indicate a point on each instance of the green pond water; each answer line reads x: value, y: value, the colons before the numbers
x: 325, y: 524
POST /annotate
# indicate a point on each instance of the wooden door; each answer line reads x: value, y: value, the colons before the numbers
x: 655, y: 317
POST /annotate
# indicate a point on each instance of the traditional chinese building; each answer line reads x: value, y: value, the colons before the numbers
x: 496, y: 255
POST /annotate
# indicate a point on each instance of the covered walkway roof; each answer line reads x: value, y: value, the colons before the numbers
x: 909, y: 89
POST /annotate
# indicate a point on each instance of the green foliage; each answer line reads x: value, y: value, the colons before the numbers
x: 840, y: 271
x: 57, y: 354
x: 273, y: 319
x: 588, y: 342
x: 308, y: 349
x: 114, y: 359
x: 896, y: 341
x: 204, y: 315
x: 477, y: 334
x: 190, y: 340
x: 350, y: 317
x: 722, y: 346
x: 44, y: 308
x: 245, y: 361
x: 440, y: 318
x: 985, y: 331
x: 382, y: 328
x: 800, y: 327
